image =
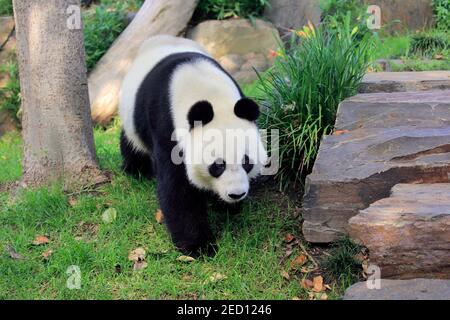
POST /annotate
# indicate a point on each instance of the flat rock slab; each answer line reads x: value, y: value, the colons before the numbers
x: 408, y: 234
x: 415, y: 289
x: 380, y: 141
x: 405, y: 81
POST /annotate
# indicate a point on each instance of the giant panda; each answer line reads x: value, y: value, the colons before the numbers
x: 178, y: 106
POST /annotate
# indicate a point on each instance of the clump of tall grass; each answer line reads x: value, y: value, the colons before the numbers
x: 428, y: 44
x: 312, y: 74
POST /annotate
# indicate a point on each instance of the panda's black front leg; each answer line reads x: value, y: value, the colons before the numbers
x: 185, y: 211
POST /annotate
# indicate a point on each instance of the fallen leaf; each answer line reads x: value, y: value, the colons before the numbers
x: 307, y: 284
x: 137, y: 254
x: 318, y: 284
x: 339, y: 132
x: 185, y: 259
x: 73, y: 201
x: 139, y: 265
x: 285, y: 275
x: 159, y: 216
x: 13, y: 253
x: 298, y: 261
x: 289, y: 238
x: 39, y: 240
x: 215, y: 277
x: 47, y: 253
x: 109, y: 215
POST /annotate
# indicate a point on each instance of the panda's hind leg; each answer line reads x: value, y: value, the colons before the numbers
x: 135, y: 163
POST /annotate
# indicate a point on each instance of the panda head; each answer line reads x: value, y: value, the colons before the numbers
x: 224, y: 151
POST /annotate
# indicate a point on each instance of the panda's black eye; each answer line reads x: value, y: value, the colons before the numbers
x: 217, y: 168
x: 247, y: 165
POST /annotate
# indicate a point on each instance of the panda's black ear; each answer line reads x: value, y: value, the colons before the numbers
x: 247, y: 109
x: 201, y: 112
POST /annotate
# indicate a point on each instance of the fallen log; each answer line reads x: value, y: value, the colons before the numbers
x: 155, y: 17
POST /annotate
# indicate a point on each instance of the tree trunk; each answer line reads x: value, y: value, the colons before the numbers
x: 155, y: 17
x: 57, y: 128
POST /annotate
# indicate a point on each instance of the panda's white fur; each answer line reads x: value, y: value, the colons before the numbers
x: 171, y: 83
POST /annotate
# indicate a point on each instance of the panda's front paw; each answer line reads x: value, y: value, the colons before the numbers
x: 205, y: 247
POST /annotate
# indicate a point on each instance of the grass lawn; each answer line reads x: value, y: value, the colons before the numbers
x: 252, y: 249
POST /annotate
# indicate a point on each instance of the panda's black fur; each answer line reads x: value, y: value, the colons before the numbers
x: 183, y: 205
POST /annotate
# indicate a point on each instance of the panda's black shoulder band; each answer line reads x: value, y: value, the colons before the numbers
x: 201, y: 113
x: 247, y: 109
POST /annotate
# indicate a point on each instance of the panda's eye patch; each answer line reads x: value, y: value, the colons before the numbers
x: 217, y: 168
x: 247, y: 165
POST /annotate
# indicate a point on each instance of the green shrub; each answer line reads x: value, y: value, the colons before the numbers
x: 101, y: 28
x: 311, y: 76
x: 10, y: 94
x: 338, y: 12
x: 428, y: 44
x: 442, y: 14
x: 6, y: 8
x: 224, y: 9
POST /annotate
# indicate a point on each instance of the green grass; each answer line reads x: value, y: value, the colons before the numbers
x: 6, y: 7
x: 309, y: 79
x: 391, y: 47
x: 250, y: 244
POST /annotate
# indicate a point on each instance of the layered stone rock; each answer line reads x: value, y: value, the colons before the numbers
x: 405, y: 81
x: 380, y: 140
x: 416, y: 289
x: 239, y: 45
x: 293, y: 14
x: 408, y: 234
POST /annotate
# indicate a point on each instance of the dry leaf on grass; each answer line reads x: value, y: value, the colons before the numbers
x: 285, y: 275
x: 139, y: 265
x: 289, y: 238
x: 137, y: 254
x: 40, y: 240
x: 73, y: 201
x: 298, y: 261
x: 46, y: 254
x: 13, y: 253
x: 318, y: 284
x: 307, y: 284
x: 185, y: 259
x: 215, y: 277
x: 159, y: 217
x: 109, y: 215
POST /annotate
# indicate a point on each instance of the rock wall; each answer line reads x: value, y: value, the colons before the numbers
x: 240, y: 46
x: 293, y: 14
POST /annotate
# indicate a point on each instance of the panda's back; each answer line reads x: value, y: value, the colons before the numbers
x: 168, y: 76
x: 151, y: 53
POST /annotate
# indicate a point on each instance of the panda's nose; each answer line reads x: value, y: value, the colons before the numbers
x: 237, y: 196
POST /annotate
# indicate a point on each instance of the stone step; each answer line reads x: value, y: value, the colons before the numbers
x: 405, y: 81
x: 380, y: 140
x: 408, y: 234
x: 415, y: 289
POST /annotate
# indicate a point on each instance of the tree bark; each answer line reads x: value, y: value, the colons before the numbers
x: 57, y: 128
x: 155, y: 17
